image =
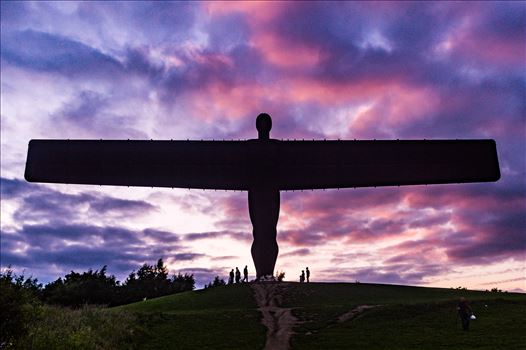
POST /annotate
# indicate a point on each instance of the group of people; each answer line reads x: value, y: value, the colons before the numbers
x: 305, y: 274
x: 236, y: 276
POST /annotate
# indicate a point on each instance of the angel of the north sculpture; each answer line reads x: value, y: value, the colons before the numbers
x: 263, y: 167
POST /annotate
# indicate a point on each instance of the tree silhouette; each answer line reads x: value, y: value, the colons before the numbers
x: 95, y: 287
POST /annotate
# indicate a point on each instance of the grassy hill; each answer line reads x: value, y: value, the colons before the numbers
x: 405, y: 318
x: 216, y: 318
x: 333, y: 316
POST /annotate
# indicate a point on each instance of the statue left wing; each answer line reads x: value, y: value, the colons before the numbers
x: 183, y: 164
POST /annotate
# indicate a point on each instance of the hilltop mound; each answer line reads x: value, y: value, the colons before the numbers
x: 330, y: 316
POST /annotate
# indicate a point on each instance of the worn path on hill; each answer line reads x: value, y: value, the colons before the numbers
x: 278, y: 320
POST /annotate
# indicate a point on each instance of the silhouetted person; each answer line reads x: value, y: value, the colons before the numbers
x: 308, y: 274
x: 302, y: 276
x: 238, y: 275
x: 231, y: 277
x: 464, y: 312
x: 245, y: 274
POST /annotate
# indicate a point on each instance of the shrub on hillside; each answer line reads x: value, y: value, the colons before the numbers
x: 85, y: 328
x: 280, y: 276
x: 77, y: 289
x: 19, y: 307
x: 152, y: 282
x: 215, y: 283
x: 97, y: 288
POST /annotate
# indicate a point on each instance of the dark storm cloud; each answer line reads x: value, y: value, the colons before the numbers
x: 496, y: 36
x: 84, y: 109
x: 12, y: 11
x: 217, y: 234
x: 340, y: 32
x: 393, y: 274
x: 506, y: 22
x: 228, y: 32
x: 302, y: 237
x: 342, y: 258
x: 381, y: 40
x: 469, y: 111
x: 335, y: 215
x: 56, y: 235
x: 495, y: 236
x: 75, y: 257
x: 104, y: 205
x: 92, y: 112
x: 59, y: 54
x: 293, y: 123
x: 205, y: 69
x: 83, y: 246
x: 508, y: 280
x: 56, y: 54
x: 337, y: 226
x: 80, y: 257
x: 296, y: 252
x: 42, y: 203
x: 137, y: 60
x: 424, y: 221
x: 65, y: 207
x: 161, y: 236
x: 315, y: 23
x: 497, y: 239
x: 153, y: 22
x: 188, y: 256
x: 225, y: 257
x: 156, y: 23
x: 335, y: 200
x: 12, y: 188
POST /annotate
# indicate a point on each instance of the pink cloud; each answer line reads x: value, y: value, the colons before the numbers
x: 478, y: 42
x: 284, y: 54
x: 258, y: 11
x: 273, y: 47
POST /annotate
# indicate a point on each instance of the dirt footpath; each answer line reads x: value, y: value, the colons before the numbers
x: 355, y: 312
x: 278, y: 320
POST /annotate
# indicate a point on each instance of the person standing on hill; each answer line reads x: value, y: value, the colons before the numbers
x: 464, y: 312
x: 238, y: 275
x: 245, y: 274
x: 231, y: 277
x: 302, y: 276
x: 308, y: 273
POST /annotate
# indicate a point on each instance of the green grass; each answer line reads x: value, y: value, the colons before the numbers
x: 407, y: 318
x: 216, y: 318
x: 227, y: 318
x: 83, y: 329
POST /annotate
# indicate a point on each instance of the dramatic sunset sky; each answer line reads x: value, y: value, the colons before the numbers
x: 322, y: 70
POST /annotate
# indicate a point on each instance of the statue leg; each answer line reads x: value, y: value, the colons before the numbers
x: 263, y: 206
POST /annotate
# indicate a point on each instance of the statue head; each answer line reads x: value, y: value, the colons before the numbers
x: 263, y: 125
